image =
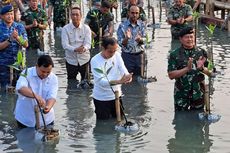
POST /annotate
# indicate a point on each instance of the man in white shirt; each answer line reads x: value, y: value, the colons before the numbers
x: 76, y: 41
x: 38, y: 86
x: 109, y: 72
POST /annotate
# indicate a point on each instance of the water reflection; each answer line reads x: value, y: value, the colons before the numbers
x: 191, y: 134
x: 29, y: 141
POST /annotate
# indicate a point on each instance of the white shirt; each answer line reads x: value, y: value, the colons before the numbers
x: 46, y: 88
x: 73, y: 38
x: 102, y: 90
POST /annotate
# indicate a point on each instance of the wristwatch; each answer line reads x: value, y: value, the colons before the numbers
x: 9, y: 40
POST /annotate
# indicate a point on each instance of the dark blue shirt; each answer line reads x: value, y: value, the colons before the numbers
x: 9, y: 54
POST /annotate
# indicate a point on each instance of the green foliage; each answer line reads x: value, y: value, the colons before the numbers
x: 20, y: 61
x: 99, y: 70
x: 196, y: 15
x: 210, y: 65
x: 211, y: 29
x: 147, y: 40
x: 104, y: 71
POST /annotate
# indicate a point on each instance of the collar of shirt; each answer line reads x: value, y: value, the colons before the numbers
x: 35, y: 74
x: 128, y: 23
x: 179, y: 7
x: 73, y: 27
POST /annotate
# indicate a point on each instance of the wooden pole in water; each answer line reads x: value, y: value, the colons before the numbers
x: 207, y: 99
x: 118, y: 107
x: 153, y: 15
x: 100, y: 37
x: 11, y: 76
x: 142, y: 66
x: 149, y: 8
x: 36, y: 110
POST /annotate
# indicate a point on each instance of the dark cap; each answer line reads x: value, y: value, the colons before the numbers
x: 6, y: 9
x: 186, y: 30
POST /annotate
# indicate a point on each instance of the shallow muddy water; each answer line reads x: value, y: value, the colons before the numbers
x: 151, y: 106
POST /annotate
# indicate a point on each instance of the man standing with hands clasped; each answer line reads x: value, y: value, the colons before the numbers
x: 186, y: 65
x: 76, y: 41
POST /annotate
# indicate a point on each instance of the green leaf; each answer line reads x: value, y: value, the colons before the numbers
x: 210, y: 65
x: 99, y: 70
x: 24, y: 74
x: 211, y: 28
x: 14, y: 66
x: 196, y: 14
x: 107, y: 72
x: 19, y: 57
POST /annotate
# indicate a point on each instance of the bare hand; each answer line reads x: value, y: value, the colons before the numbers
x: 35, y: 23
x: 180, y: 20
x: 41, y: 101
x: 80, y: 49
x: 46, y: 110
x: 14, y: 34
x: 128, y: 34
x: 189, y: 65
x: 200, y: 62
x: 138, y: 38
x: 126, y: 78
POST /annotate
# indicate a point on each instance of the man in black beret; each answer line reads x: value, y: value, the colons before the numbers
x: 12, y: 38
x: 186, y: 66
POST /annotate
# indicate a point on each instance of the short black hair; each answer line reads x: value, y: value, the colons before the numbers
x: 105, y: 4
x: 76, y: 8
x: 106, y: 41
x: 45, y: 61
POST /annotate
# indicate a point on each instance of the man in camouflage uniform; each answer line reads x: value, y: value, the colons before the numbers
x: 186, y: 66
x: 60, y: 15
x: 100, y: 18
x: 178, y: 16
x: 35, y: 22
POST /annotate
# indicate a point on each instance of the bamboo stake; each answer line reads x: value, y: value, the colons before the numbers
x: 36, y: 110
x: 142, y: 66
x: 100, y: 37
x: 207, y: 99
x: 117, y: 106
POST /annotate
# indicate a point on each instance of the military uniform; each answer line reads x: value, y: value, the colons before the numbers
x: 9, y: 54
x: 176, y: 13
x: 60, y: 16
x: 188, y: 89
x: 35, y: 35
x: 95, y: 19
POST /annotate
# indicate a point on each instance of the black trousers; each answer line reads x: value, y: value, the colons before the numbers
x: 72, y: 71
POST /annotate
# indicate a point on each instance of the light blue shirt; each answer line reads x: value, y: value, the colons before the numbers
x: 138, y: 29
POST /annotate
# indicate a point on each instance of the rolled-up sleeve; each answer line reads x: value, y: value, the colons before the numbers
x: 53, y: 88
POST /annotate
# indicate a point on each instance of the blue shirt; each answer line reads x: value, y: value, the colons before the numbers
x: 9, y: 54
x: 138, y: 29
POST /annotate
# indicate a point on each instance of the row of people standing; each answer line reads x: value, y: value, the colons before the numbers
x: 76, y: 41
